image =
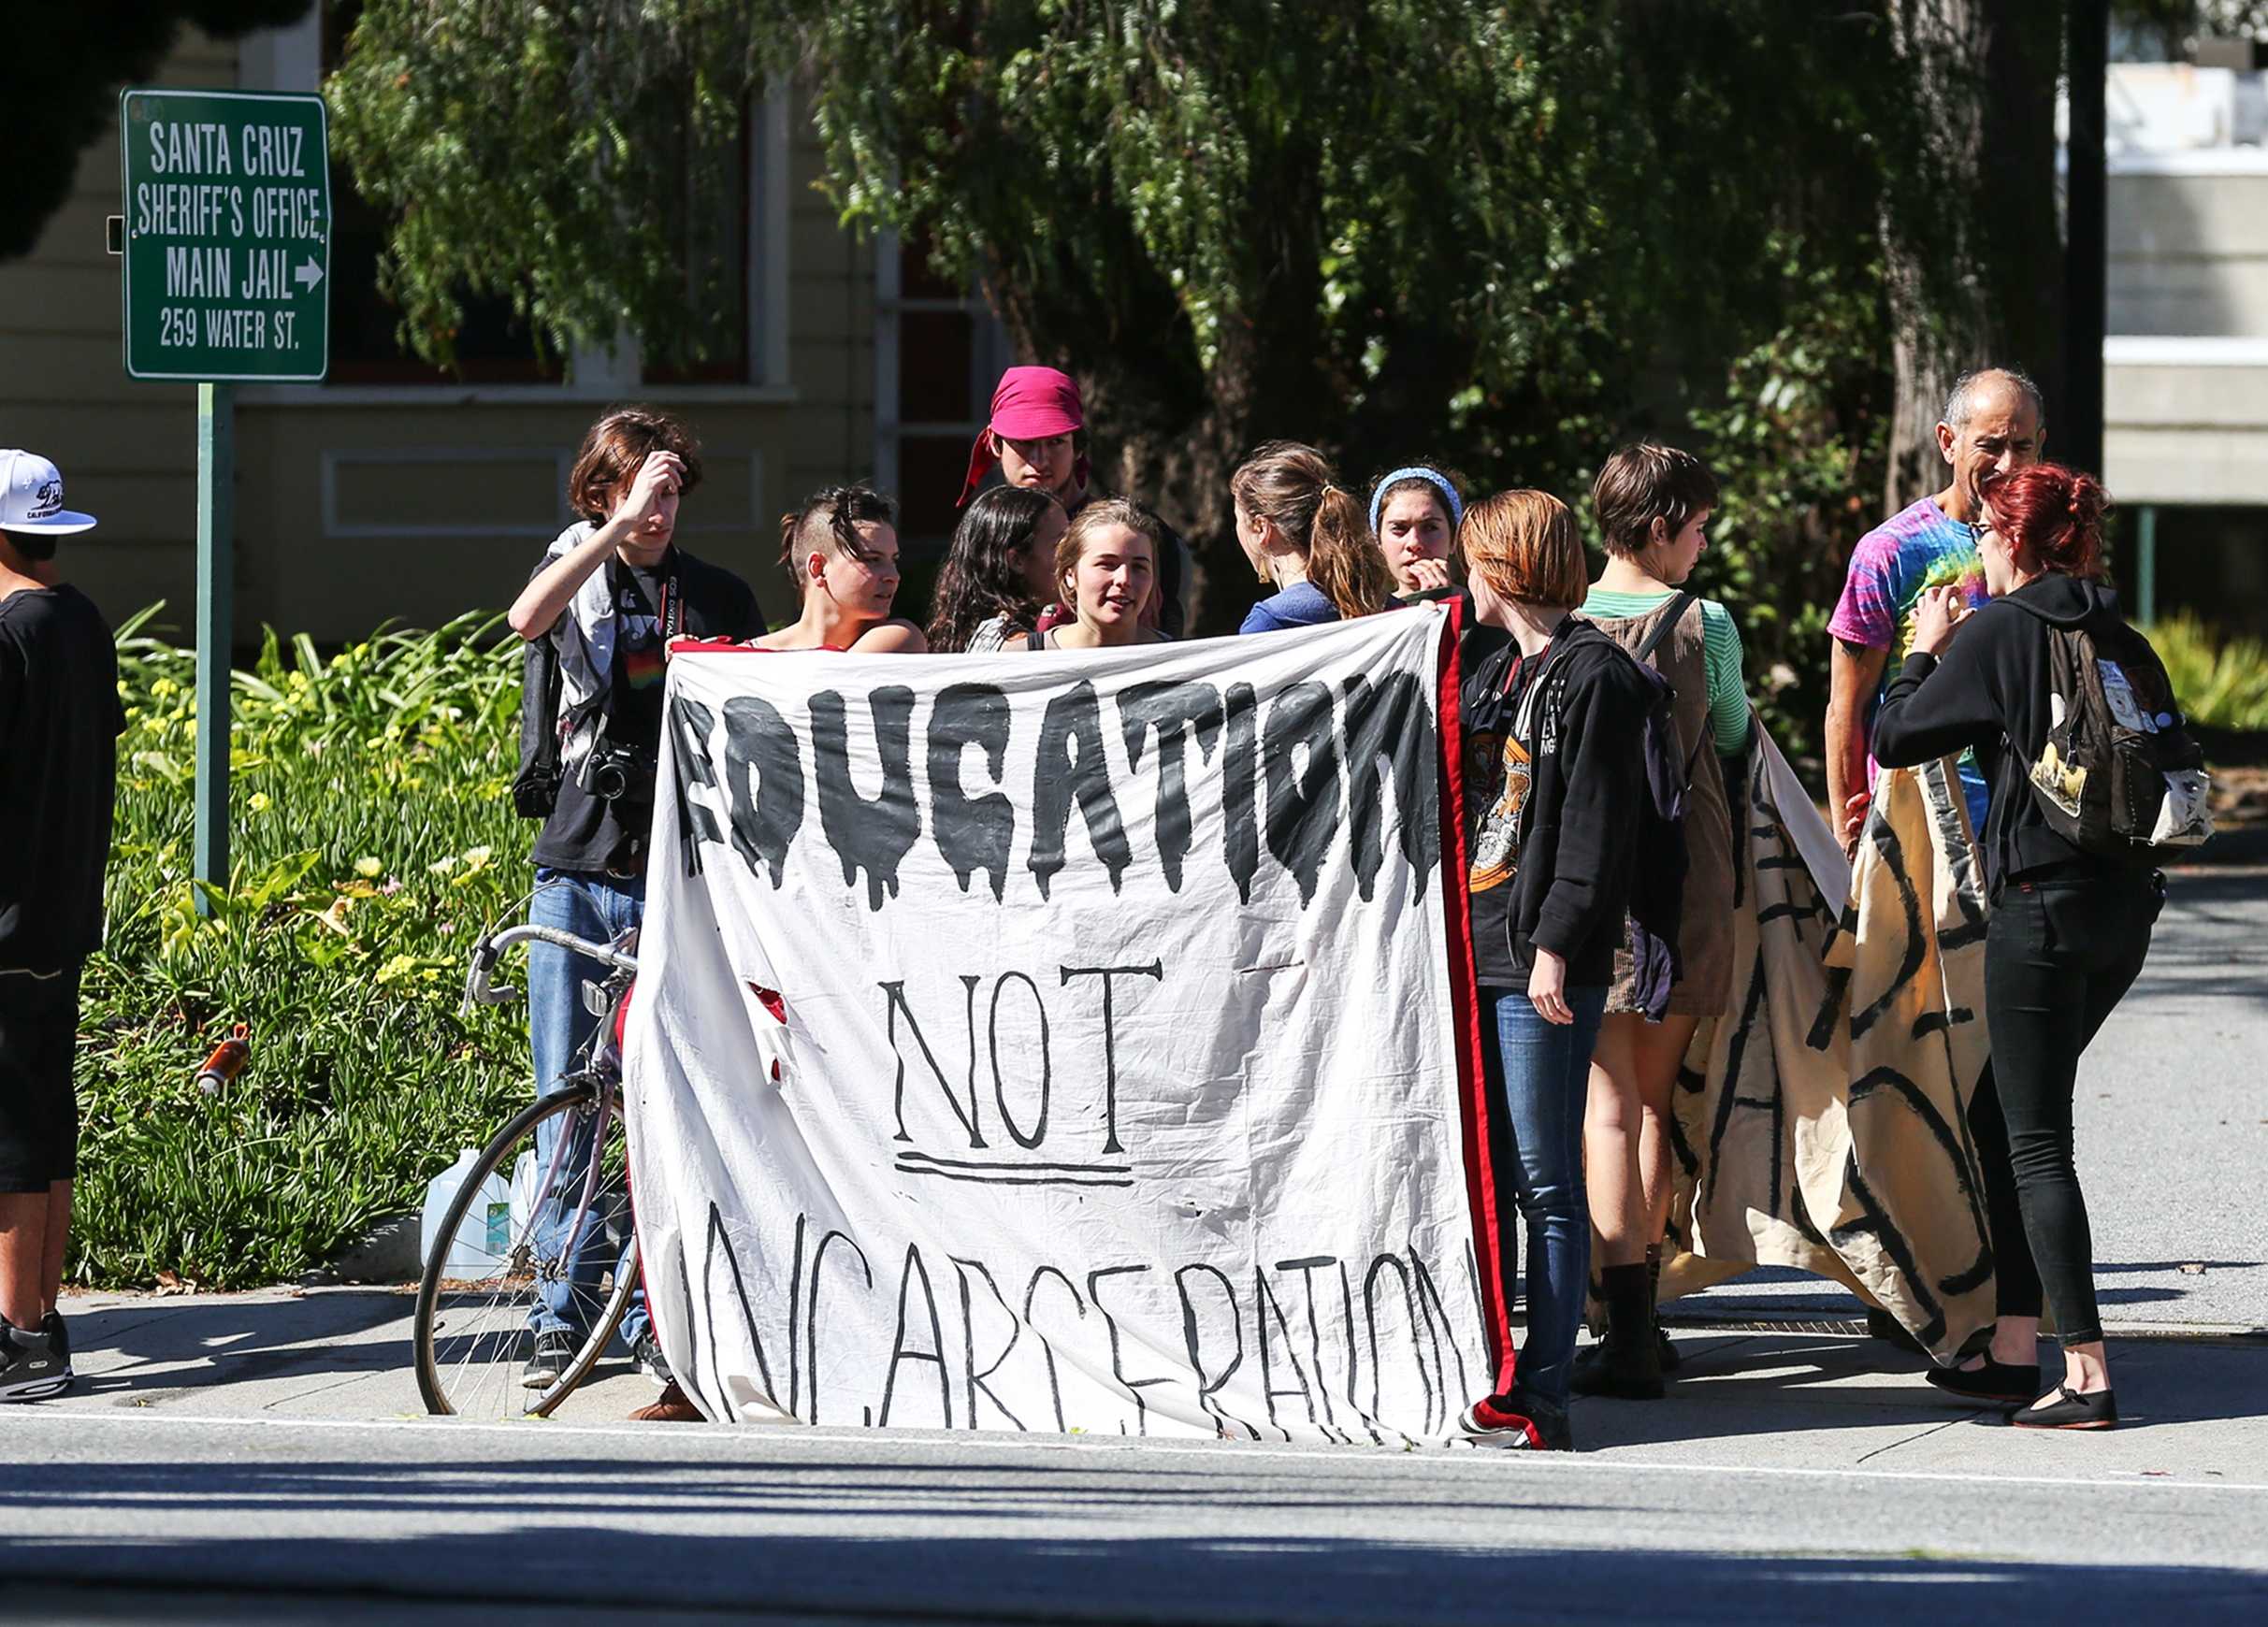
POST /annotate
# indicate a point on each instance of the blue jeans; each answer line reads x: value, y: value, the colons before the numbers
x: 1537, y: 1075
x: 598, y: 909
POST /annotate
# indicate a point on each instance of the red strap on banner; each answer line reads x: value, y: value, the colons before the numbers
x: 1464, y: 1004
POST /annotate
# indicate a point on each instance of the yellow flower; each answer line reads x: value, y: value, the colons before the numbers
x: 368, y: 866
x: 259, y: 802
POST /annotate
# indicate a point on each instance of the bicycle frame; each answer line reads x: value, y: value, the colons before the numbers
x: 603, y: 1066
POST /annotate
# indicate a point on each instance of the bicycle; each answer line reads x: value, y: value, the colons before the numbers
x: 555, y: 1187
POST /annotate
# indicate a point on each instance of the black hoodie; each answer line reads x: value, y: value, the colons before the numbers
x: 1989, y: 690
x: 1569, y: 877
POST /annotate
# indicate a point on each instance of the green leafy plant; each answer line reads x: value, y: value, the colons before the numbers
x: 2222, y: 680
x: 373, y: 838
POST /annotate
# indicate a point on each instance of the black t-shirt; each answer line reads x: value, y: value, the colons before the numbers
x: 59, y: 720
x: 1498, y: 779
x: 592, y: 833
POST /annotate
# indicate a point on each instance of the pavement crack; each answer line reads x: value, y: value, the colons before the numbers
x: 1923, y: 1436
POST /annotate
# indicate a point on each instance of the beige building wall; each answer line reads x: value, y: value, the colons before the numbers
x: 2186, y: 367
x: 360, y: 503
x: 127, y: 449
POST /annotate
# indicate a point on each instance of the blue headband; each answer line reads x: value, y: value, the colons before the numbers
x: 1432, y: 477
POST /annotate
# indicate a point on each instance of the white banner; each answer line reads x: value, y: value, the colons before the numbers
x: 1059, y: 1041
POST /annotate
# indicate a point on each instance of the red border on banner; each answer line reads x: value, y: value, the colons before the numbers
x: 1464, y: 1004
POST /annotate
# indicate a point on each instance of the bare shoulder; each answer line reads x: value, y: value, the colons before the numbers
x: 895, y: 637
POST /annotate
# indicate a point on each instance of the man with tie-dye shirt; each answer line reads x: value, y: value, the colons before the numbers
x: 1992, y: 425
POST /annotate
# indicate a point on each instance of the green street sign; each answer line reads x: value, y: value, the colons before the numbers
x: 227, y: 236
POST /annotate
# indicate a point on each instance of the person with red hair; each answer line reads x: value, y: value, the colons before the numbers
x: 2069, y: 930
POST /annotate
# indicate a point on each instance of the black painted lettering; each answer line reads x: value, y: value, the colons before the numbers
x: 872, y: 834
x: 1307, y: 1268
x: 1210, y: 1384
x: 766, y: 819
x: 976, y: 1380
x: 1174, y: 711
x: 1390, y: 736
x: 719, y: 1242
x: 898, y: 1349
x: 1412, y: 1319
x: 1134, y: 1387
x: 696, y: 821
x: 1240, y: 788
x: 1071, y: 768
x: 1046, y: 1066
x: 973, y: 833
x: 895, y: 993
x: 1267, y: 1307
x: 1156, y: 969
x: 811, y: 1311
x: 1047, y: 1347
x: 1303, y: 800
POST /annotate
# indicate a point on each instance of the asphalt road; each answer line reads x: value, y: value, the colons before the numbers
x: 205, y: 1519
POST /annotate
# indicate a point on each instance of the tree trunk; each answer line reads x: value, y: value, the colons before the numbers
x: 1975, y: 276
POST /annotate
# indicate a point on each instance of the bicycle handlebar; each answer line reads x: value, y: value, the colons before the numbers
x: 485, y: 953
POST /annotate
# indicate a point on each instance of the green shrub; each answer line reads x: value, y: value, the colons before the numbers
x: 2222, y: 681
x: 373, y: 837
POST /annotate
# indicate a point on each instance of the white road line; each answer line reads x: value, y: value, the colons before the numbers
x: 1550, y: 1463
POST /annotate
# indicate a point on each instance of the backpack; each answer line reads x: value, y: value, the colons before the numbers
x: 2119, y: 775
x: 535, y: 789
x: 1657, y: 877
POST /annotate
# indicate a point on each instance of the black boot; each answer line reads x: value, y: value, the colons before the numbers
x: 1665, y: 1352
x: 1625, y: 1362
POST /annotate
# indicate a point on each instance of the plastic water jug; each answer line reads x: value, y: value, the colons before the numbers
x: 483, y: 1238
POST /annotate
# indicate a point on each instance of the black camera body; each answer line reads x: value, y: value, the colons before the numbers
x: 622, y: 774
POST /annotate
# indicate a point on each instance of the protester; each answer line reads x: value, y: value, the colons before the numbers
x: 1553, y: 712
x: 59, y: 720
x: 1106, y: 569
x: 1000, y: 573
x: 2068, y: 931
x: 1036, y: 432
x: 1414, y: 513
x: 841, y: 551
x: 1652, y: 504
x: 598, y: 613
x: 1993, y: 424
x: 1305, y: 534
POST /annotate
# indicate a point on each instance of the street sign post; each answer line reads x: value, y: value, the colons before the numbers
x: 227, y: 246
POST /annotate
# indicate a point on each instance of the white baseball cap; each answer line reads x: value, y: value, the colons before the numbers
x: 31, y: 495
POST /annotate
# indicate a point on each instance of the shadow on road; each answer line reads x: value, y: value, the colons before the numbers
x: 900, y: 1574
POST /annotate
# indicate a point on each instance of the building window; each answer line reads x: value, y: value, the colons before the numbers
x: 938, y: 352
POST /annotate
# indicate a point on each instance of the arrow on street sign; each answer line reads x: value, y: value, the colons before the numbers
x: 308, y: 274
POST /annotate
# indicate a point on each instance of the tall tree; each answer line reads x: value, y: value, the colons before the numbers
x: 73, y: 59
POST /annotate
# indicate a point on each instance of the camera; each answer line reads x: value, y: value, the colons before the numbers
x: 620, y: 773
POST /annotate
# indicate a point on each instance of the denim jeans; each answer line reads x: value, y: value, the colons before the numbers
x: 1538, y: 1075
x: 2060, y: 952
x: 599, y: 909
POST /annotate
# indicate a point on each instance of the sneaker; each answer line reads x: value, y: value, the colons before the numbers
x: 672, y: 1405
x: 31, y: 1368
x: 60, y: 1337
x: 556, y: 1351
x: 1627, y: 1369
x: 1518, y: 1422
x: 647, y: 1354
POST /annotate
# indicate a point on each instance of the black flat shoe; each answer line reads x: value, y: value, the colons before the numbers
x: 1994, y: 1381
x: 2070, y: 1410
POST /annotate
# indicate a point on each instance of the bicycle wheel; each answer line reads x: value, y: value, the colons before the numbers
x: 553, y: 1242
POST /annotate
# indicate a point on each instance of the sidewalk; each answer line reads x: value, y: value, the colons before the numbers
x: 1784, y: 1398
